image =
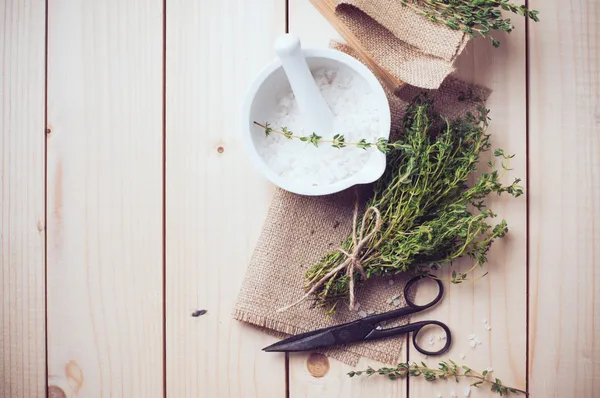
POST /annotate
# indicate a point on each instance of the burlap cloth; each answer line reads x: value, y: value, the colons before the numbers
x: 401, y: 40
x: 299, y: 230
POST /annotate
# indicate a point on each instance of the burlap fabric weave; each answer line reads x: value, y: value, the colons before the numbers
x: 299, y: 230
x: 401, y: 40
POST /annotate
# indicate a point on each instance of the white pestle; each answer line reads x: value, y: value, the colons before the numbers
x: 315, y: 112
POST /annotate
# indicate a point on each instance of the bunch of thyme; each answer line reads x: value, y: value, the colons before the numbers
x: 429, y: 215
x: 474, y: 17
x: 445, y: 371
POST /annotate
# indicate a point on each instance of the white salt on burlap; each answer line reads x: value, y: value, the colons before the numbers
x: 356, y: 117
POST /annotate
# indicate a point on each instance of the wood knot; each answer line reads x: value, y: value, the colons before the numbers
x: 74, y: 375
x: 56, y: 392
x: 317, y: 365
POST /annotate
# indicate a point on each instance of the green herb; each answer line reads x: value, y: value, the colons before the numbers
x: 268, y: 129
x: 474, y: 17
x: 288, y: 134
x: 429, y: 215
x: 338, y: 141
x: 445, y: 371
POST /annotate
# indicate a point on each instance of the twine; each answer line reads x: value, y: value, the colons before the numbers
x: 352, y: 262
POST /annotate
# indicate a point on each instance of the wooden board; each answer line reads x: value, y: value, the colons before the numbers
x: 216, y: 200
x: 104, y: 201
x: 500, y: 297
x: 22, y: 229
x: 314, y: 31
x: 105, y: 211
x: 564, y: 150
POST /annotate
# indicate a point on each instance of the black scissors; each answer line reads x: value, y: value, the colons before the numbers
x: 366, y: 329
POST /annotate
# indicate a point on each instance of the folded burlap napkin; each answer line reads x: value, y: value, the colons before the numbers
x: 401, y: 40
x: 299, y: 230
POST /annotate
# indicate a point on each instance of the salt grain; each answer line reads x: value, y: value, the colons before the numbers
x: 356, y: 116
x: 362, y: 314
x: 439, y: 395
x: 370, y: 312
x: 462, y: 356
x: 490, y: 370
x: 389, y: 301
x: 471, y: 336
x: 467, y: 391
x: 453, y: 394
x: 356, y: 306
x: 396, y: 302
x: 473, y: 344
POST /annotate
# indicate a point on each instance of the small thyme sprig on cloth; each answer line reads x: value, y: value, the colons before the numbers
x: 445, y: 371
x: 474, y: 17
x: 429, y: 215
x: 338, y: 141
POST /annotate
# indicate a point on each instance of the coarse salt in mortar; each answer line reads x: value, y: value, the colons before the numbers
x: 356, y: 116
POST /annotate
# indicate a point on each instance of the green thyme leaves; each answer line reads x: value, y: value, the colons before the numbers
x: 432, y: 203
x: 338, y: 141
x: 474, y: 17
x: 446, y: 370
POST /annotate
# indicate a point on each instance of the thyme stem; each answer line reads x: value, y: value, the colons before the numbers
x: 445, y: 371
x: 474, y: 17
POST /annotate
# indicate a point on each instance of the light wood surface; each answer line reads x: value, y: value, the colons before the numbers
x: 564, y: 216
x: 22, y: 137
x: 216, y: 201
x: 119, y: 314
x: 500, y: 296
x: 105, y: 199
x: 315, y: 31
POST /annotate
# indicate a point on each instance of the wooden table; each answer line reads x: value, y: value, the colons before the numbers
x: 127, y: 203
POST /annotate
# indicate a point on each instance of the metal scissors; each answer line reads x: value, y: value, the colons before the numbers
x: 366, y: 329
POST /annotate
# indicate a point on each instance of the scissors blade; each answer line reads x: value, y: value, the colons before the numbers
x: 321, y: 338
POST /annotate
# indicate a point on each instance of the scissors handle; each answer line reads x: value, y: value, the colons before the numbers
x: 411, y: 307
x: 415, y: 328
x: 412, y: 304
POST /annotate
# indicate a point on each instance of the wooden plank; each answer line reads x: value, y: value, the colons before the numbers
x: 216, y: 200
x: 314, y: 31
x: 564, y: 147
x: 22, y: 232
x: 500, y: 297
x: 105, y: 198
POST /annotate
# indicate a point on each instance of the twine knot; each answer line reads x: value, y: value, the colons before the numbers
x: 353, y: 259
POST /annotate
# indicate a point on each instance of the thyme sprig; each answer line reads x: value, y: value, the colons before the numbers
x: 474, y: 17
x: 445, y: 371
x: 338, y: 141
x: 430, y: 215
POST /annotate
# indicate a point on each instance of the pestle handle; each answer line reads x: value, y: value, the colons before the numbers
x: 316, y: 115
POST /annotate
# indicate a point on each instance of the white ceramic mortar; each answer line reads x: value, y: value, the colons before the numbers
x: 261, y: 99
